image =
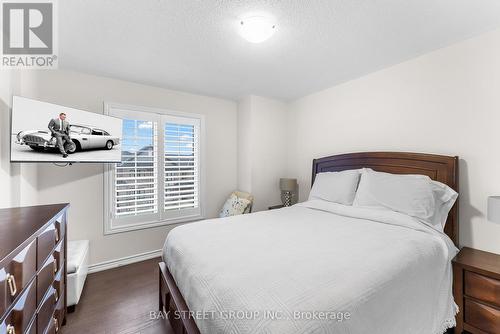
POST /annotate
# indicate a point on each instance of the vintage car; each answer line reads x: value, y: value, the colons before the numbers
x: 83, y: 137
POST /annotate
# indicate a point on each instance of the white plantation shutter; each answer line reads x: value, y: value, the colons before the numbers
x: 181, y: 158
x: 159, y: 179
x: 136, y: 177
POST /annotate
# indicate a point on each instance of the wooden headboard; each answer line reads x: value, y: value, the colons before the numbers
x: 438, y: 167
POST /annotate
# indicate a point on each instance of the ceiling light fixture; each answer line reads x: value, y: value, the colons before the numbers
x: 257, y: 29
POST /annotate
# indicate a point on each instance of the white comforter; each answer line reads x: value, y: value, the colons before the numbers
x: 302, y: 269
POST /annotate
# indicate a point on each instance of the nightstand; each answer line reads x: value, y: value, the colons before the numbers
x: 279, y: 206
x: 476, y: 288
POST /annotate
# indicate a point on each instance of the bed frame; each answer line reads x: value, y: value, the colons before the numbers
x: 440, y: 168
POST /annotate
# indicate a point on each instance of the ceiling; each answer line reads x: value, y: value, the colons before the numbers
x: 194, y: 46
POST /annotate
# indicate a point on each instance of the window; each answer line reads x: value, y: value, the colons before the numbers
x: 79, y: 129
x: 181, y: 165
x: 159, y: 180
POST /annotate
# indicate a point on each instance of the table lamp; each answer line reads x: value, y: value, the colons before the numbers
x: 287, y: 187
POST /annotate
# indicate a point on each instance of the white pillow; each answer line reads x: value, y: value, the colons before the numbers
x: 234, y: 206
x: 444, y: 197
x: 415, y: 195
x: 409, y: 194
x: 338, y: 187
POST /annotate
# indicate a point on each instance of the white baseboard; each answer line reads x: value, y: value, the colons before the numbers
x: 93, y: 268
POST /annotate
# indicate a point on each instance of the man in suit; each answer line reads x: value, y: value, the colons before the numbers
x: 60, y: 129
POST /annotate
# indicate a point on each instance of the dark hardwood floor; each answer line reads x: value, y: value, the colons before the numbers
x: 119, y: 301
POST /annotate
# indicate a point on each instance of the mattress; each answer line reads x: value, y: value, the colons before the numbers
x: 315, y: 267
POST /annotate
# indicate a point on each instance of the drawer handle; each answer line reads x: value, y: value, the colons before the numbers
x: 55, y: 265
x: 56, y: 324
x: 57, y: 295
x: 11, y: 329
x: 11, y: 281
x: 56, y: 232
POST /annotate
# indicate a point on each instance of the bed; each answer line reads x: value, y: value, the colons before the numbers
x: 316, y: 267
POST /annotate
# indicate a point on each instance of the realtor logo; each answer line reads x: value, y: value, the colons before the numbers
x: 28, y: 34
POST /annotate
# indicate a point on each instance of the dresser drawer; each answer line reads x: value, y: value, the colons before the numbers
x: 46, y: 310
x: 481, y: 316
x: 19, y: 272
x: 45, y: 278
x: 59, y: 255
x: 20, y: 316
x: 56, y: 320
x: 3, y: 291
x: 46, y: 242
x: 59, y: 312
x: 60, y: 227
x: 32, y: 327
x: 58, y: 284
x: 51, y: 327
x: 482, y: 288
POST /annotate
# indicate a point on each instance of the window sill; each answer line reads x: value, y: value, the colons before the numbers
x: 109, y: 230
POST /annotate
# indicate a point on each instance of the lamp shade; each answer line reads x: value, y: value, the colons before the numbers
x: 288, y: 184
x: 494, y: 209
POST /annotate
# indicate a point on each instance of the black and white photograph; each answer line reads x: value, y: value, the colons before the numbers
x: 250, y: 167
x: 46, y: 132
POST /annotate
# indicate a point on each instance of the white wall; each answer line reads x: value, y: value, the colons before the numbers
x: 9, y: 196
x: 262, y: 146
x: 82, y: 184
x: 245, y: 134
x: 18, y: 181
x: 446, y: 102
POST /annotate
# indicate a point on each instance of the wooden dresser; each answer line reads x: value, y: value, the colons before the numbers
x: 33, y: 269
x: 477, y: 291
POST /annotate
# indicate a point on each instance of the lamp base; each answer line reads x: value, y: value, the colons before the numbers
x: 287, y: 198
